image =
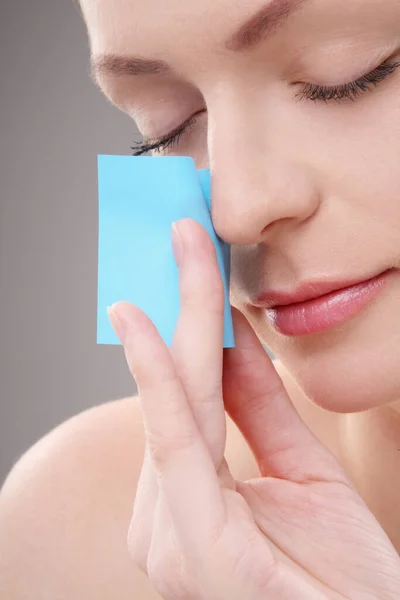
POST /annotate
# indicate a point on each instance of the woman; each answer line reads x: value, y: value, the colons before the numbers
x: 293, y: 493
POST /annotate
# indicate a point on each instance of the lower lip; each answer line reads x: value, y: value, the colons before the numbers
x: 326, y: 311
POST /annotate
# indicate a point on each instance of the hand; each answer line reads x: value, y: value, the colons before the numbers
x: 298, y: 532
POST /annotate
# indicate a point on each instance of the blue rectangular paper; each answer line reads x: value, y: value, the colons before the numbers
x: 139, y: 199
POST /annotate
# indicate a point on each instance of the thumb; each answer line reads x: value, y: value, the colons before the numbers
x: 257, y: 401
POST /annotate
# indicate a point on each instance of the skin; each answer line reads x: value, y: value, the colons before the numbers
x: 300, y: 530
x: 323, y: 185
x: 323, y: 181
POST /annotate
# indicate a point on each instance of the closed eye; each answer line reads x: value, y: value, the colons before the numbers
x: 308, y: 91
x: 168, y: 140
x: 349, y: 90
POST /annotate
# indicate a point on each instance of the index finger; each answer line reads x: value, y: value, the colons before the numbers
x: 185, y: 469
x: 197, y: 346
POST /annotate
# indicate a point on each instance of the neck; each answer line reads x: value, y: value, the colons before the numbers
x: 370, y: 448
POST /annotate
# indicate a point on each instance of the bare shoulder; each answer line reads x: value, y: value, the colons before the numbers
x: 66, y: 506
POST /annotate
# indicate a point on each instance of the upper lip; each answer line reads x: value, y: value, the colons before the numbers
x: 308, y: 290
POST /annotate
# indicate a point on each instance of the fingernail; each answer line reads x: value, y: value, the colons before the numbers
x: 119, y: 326
x: 177, y: 244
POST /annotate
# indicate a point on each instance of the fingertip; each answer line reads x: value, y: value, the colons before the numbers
x: 127, y: 312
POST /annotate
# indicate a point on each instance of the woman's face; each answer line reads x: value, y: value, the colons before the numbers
x: 306, y: 181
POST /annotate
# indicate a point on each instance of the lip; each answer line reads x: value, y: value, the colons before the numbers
x: 309, y: 290
x: 317, y: 306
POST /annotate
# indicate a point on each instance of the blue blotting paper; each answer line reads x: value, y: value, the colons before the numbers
x: 139, y: 199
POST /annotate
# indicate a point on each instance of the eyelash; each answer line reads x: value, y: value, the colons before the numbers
x: 309, y: 91
x: 169, y: 140
x: 348, y: 90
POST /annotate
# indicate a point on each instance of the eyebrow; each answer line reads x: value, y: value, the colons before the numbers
x: 264, y: 23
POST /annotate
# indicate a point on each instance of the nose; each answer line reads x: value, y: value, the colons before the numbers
x: 262, y: 199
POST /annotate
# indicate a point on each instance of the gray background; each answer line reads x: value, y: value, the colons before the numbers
x: 54, y: 122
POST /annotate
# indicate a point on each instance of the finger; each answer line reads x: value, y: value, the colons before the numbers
x: 185, y: 470
x: 256, y: 399
x: 225, y: 476
x: 164, y: 564
x: 198, y: 340
x: 142, y: 522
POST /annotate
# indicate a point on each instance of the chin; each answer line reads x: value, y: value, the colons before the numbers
x: 348, y: 369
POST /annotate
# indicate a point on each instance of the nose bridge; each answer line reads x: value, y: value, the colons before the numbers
x: 242, y: 109
x: 260, y: 175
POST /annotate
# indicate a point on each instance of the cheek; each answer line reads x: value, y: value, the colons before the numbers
x: 373, y: 194
x: 361, y: 167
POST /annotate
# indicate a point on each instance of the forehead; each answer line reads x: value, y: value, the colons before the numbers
x: 189, y: 34
x: 161, y: 29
